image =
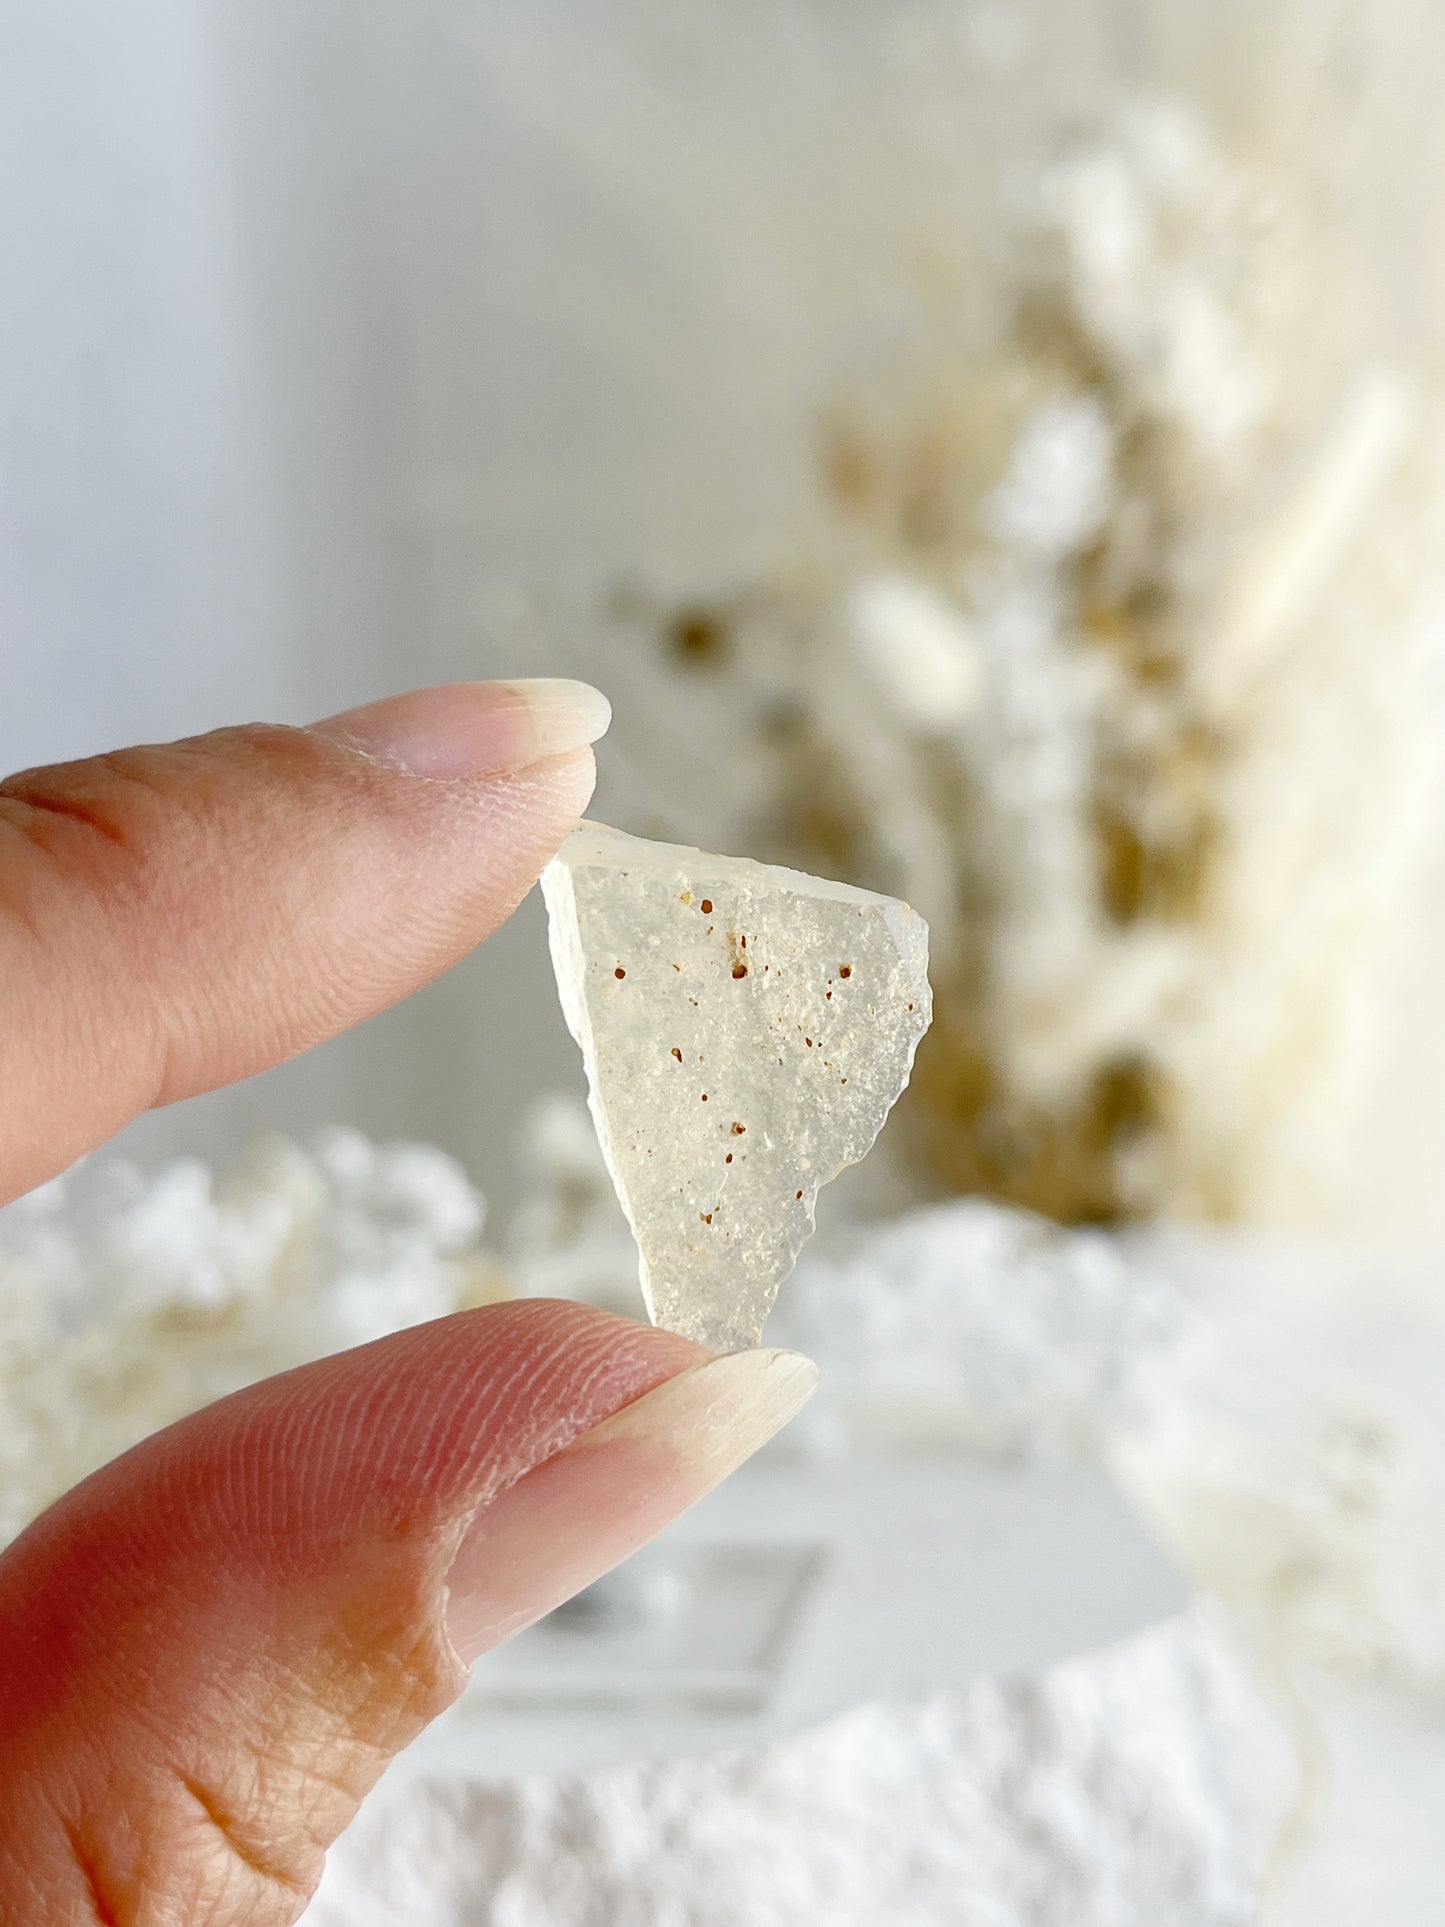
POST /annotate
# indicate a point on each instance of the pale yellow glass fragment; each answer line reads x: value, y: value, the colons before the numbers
x: 745, y: 1030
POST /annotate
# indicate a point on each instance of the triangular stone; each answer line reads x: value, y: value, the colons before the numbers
x: 746, y: 1031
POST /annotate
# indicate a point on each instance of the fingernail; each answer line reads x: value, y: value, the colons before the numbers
x: 475, y: 728
x: 580, y: 1513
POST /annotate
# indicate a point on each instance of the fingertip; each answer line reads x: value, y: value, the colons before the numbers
x: 475, y: 728
x: 585, y: 1509
x: 176, y: 918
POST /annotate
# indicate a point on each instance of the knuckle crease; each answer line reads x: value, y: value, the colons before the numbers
x: 224, y: 1827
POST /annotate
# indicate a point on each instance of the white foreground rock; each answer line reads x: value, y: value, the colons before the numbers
x: 994, y: 1706
x: 1113, y: 1791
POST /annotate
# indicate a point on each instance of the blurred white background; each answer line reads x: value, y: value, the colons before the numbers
x: 314, y: 318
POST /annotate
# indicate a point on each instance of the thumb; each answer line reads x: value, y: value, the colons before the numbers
x: 215, y: 1645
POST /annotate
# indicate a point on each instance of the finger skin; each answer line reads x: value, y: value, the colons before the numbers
x: 177, y: 918
x: 214, y: 1645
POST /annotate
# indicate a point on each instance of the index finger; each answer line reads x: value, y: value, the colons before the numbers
x: 180, y: 917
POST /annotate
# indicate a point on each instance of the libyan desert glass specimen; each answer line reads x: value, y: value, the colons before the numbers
x: 746, y: 1030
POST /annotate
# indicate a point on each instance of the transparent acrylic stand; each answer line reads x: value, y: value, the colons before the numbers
x: 702, y: 1627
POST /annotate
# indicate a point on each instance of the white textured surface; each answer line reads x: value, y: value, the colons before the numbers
x: 128, y: 1299
x: 984, y: 1329
x: 1113, y: 1791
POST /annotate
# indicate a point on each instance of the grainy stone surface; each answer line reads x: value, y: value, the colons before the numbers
x: 746, y: 1031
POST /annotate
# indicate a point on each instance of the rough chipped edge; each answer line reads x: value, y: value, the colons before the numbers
x: 802, y: 882
x: 569, y: 968
x: 910, y: 933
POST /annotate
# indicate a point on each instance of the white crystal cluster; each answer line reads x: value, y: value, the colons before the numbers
x: 1131, y: 635
x: 969, y: 1326
x: 128, y: 1300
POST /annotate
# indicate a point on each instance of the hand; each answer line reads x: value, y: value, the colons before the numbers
x: 212, y: 1647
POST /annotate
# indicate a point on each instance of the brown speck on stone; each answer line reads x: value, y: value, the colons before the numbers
x: 729, y: 1158
x: 687, y: 897
x: 740, y: 1130
x: 706, y: 1216
x: 809, y: 1042
x: 845, y: 971
x: 707, y: 906
x: 619, y: 973
x: 740, y: 970
x: 704, y: 1097
x: 677, y: 1053
x: 800, y: 1197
